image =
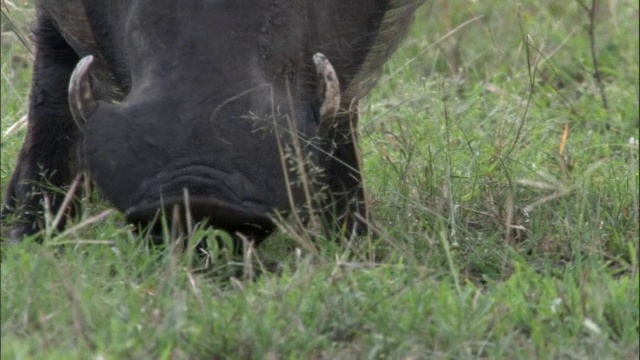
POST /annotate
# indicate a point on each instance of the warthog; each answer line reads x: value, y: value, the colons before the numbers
x: 221, y: 108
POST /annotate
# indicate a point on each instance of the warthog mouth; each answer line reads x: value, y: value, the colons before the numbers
x: 217, y: 213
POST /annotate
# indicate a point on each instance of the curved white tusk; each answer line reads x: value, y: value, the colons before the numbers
x: 328, y: 86
x: 81, y: 100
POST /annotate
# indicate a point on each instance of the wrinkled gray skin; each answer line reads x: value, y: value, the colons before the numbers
x: 185, y: 97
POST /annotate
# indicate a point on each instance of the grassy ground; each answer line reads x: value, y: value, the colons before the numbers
x: 503, y: 170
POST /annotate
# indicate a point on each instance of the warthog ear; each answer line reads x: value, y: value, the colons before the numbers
x: 81, y: 99
x: 328, y: 90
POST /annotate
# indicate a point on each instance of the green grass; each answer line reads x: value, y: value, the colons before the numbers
x: 498, y: 238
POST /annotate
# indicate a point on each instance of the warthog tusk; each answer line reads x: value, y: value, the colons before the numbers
x: 81, y: 99
x: 328, y: 86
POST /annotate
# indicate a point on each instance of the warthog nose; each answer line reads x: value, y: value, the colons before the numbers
x: 216, y: 213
